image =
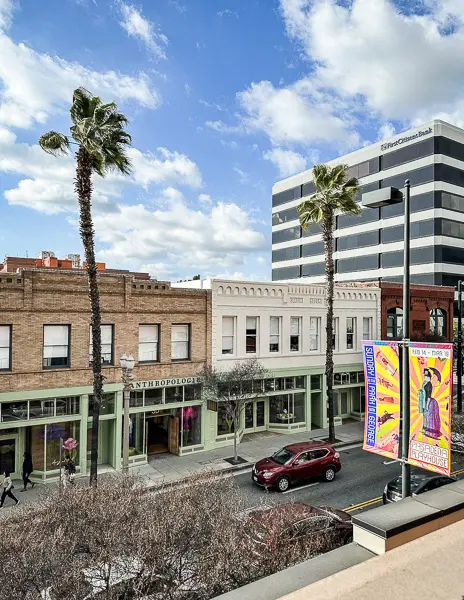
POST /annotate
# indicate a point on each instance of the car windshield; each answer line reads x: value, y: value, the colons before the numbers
x: 282, y: 456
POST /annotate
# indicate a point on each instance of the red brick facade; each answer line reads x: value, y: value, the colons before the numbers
x: 424, y: 299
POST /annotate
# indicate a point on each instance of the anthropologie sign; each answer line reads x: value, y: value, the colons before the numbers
x: 430, y: 376
x: 382, y: 422
x: 157, y: 383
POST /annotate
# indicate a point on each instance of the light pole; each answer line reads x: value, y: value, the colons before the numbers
x: 376, y: 199
x: 127, y: 363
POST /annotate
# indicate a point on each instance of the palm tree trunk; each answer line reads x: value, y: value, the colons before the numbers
x: 83, y: 187
x: 327, y: 234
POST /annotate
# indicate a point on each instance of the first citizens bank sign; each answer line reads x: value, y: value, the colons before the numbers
x: 405, y: 139
x: 157, y: 383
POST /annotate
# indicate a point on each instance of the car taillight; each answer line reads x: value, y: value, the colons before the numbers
x: 337, y: 454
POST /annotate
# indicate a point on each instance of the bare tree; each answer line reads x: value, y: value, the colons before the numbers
x: 233, y: 388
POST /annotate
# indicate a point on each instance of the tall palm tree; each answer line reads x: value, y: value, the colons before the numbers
x: 335, y: 193
x: 98, y: 133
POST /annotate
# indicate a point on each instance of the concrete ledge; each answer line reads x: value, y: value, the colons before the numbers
x: 387, y: 527
x: 292, y: 579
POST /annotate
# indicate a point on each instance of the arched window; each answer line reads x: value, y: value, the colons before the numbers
x: 438, y: 322
x: 394, y: 322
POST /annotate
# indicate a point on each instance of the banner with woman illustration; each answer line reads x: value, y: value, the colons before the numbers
x: 431, y: 380
x: 382, y: 423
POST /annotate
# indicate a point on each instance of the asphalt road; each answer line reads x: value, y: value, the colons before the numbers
x: 358, y: 486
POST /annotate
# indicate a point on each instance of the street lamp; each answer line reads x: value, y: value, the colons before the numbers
x: 376, y: 199
x: 127, y: 363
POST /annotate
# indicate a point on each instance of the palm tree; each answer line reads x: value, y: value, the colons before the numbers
x: 98, y: 132
x: 335, y: 193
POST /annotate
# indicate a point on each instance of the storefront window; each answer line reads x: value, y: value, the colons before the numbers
x: 173, y: 394
x: 191, y: 425
x: 14, y: 411
x: 316, y: 382
x: 353, y: 377
x: 289, y: 383
x: 136, y: 434
x: 270, y: 385
x: 53, y: 434
x: 257, y: 385
x: 278, y: 409
x: 107, y: 407
x: 225, y: 424
x: 356, y: 400
x: 300, y: 382
x: 136, y: 399
x: 41, y: 409
x: 298, y: 401
x: 247, y: 387
x: 153, y: 396
x: 192, y: 392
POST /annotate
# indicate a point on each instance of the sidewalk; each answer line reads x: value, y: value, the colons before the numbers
x: 169, y: 468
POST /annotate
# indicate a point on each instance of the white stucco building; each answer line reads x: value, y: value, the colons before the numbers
x: 283, y: 324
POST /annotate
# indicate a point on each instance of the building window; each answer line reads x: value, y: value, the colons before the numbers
x: 274, y: 337
x: 107, y: 357
x: 5, y: 347
x: 438, y: 322
x: 228, y: 328
x: 394, y: 322
x: 56, y: 346
x: 314, y: 331
x: 225, y: 422
x: 180, y: 342
x: 350, y: 333
x: 295, y: 334
x: 335, y: 328
x: 148, y: 343
x: 287, y: 409
x: 251, y: 334
x: 367, y: 328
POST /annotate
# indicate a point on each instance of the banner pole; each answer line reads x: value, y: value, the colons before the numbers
x: 405, y: 467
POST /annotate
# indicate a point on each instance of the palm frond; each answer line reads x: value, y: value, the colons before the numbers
x: 310, y: 211
x: 54, y: 143
x: 83, y: 104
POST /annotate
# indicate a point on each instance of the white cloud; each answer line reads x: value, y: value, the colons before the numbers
x: 227, y: 13
x: 386, y: 130
x: 35, y: 86
x: 296, y: 114
x: 138, y: 27
x: 6, y: 12
x: 287, y: 161
x: 205, y: 199
x: 232, y: 144
x: 178, y: 240
x: 403, y: 66
x: 188, y: 89
x: 212, y: 105
x: 222, y: 127
x: 244, y: 177
x: 166, y: 167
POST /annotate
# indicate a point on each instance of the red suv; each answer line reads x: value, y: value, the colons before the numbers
x: 295, y: 463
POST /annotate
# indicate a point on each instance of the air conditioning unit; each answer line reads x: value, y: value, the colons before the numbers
x: 43, y: 254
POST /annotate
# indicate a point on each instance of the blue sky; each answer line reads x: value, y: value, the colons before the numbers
x: 224, y: 98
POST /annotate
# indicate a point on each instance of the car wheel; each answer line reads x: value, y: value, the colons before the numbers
x: 329, y: 474
x: 283, y: 483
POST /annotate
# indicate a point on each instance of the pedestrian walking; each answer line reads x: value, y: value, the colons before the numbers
x: 69, y: 471
x: 26, y: 471
x: 7, y: 486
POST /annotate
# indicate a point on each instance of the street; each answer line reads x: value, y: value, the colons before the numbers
x: 358, y: 486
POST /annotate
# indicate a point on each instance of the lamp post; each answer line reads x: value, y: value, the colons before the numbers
x: 127, y: 363
x: 376, y: 199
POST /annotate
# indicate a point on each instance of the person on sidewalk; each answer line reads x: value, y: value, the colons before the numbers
x: 7, y: 486
x: 26, y: 471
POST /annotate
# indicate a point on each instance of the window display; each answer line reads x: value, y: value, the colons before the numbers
x: 191, y: 425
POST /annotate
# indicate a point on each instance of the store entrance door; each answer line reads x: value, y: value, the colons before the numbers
x: 255, y: 416
x: 9, y: 461
x: 342, y: 403
x: 162, y: 434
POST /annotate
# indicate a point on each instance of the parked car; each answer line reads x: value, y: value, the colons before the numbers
x: 420, y: 483
x: 297, y: 527
x: 295, y: 463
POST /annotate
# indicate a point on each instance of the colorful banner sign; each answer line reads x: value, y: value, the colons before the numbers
x: 382, y: 422
x: 431, y: 380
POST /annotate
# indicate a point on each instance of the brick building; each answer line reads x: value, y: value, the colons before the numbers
x: 46, y: 379
x: 431, y: 311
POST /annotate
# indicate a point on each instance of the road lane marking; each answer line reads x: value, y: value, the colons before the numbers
x: 303, y: 487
